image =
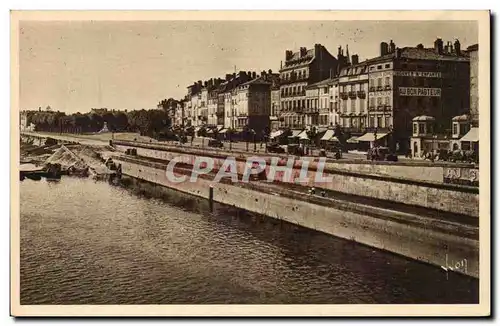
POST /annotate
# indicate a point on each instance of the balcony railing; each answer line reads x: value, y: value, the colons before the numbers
x: 379, y: 88
x: 361, y: 94
x: 372, y: 89
x: 380, y: 107
x: 387, y: 87
x: 344, y: 95
x: 352, y: 94
x: 371, y: 108
x: 388, y: 108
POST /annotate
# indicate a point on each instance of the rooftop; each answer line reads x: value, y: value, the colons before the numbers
x: 420, y: 54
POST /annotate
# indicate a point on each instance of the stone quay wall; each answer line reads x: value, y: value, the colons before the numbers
x: 429, y: 244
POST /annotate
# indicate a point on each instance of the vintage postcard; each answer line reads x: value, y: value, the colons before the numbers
x: 210, y: 163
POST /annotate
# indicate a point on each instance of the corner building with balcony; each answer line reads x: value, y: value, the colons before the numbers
x: 301, y: 69
x: 414, y: 81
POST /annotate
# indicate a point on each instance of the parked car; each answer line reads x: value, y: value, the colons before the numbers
x: 215, y: 143
x: 381, y: 154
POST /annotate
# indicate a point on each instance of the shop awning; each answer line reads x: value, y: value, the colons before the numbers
x: 370, y: 136
x: 353, y: 140
x: 275, y: 134
x: 471, y: 136
x: 303, y: 135
x: 295, y: 133
x: 328, y: 134
x: 223, y: 131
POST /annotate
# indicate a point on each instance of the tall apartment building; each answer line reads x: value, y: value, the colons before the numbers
x: 301, y: 69
x: 353, y: 97
x: 333, y: 117
x: 413, y: 81
x: 275, y: 120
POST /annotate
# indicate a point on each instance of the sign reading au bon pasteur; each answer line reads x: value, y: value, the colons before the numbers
x: 428, y: 74
x: 419, y: 91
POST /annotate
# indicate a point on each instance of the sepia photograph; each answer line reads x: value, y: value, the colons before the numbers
x: 250, y: 163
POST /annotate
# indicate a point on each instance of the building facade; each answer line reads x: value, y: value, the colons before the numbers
x: 353, y: 97
x: 414, y: 81
x: 300, y: 70
x: 473, y: 51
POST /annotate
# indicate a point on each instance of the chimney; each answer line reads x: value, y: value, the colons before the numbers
x: 420, y: 46
x: 392, y: 47
x: 270, y: 71
x: 234, y: 75
x: 398, y: 53
x: 303, y: 52
x: 457, y: 47
x: 384, y: 48
x: 288, y: 55
x: 263, y: 74
x: 254, y: 75
x: 228, y: 77
x: 339, y: 54
x: 317, y: 49
x: 355, y: 59
x: 438, y: 46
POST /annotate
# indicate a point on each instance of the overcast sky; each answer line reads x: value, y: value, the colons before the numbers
x: 137, y: 63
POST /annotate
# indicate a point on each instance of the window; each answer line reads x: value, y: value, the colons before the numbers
x: 372, y: 121
x: 379, y: 121
x: 379, y: 101
x: 344, y: 106
x: 387, y: 100
x: 325, y: 90
x: 388, y: 65
x: 371, y: 68
x: 421, y: 128
x: 455, y: 128
x: 316, y: 103
x: 415, y: 128
x: 387, y: 81
x: 379, y: 67
x: 372, y: 101
x: 387, y: 121
x: 379, y: 81
x: 361, y: 106
x: 353, y: 88
x: 353, y: 106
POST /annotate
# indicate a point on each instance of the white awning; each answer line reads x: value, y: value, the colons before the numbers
x: 303, y: 135
x: 295, y: 133
x: 471, y: 136
x: 353, y: 140
x: 223, y: 131
x: 328, y: 134
x: 370, y: 136
x: 276, y: 134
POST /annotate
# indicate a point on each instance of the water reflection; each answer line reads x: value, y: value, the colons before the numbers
x: 88, y: 242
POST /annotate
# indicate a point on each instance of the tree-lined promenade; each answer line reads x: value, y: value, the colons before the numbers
x: 145, y: 122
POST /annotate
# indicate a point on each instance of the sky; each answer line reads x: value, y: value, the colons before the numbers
x: 74, y: 66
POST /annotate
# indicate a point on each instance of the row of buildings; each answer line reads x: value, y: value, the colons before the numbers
x: 376, y: 98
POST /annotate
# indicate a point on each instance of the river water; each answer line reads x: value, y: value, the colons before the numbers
x: 88, y: 242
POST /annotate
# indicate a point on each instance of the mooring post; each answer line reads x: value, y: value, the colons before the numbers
x: 211, y: 198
